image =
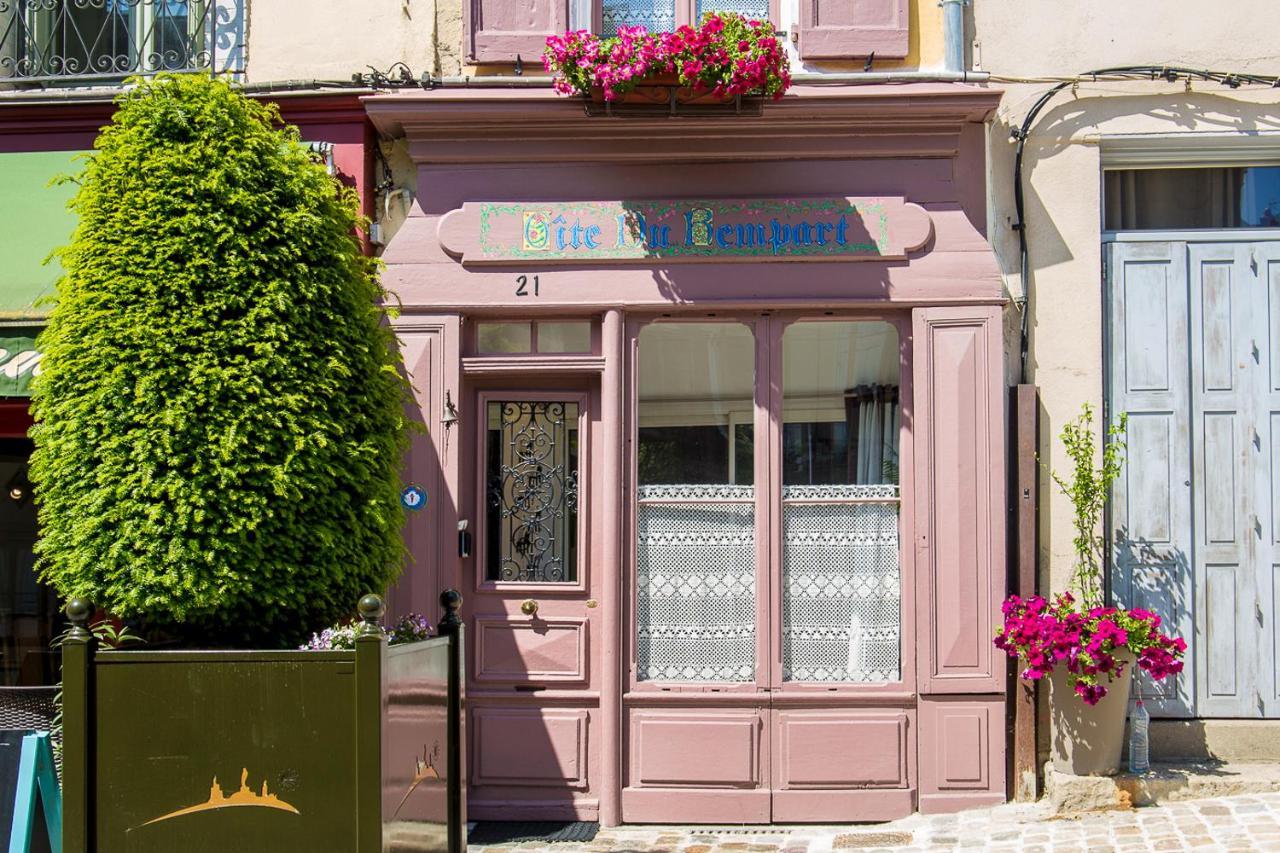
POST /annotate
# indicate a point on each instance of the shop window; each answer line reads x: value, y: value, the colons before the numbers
x: 532, y: 491
x: 696, y: 551
x: 663, y: 15
x: 564, y: 337
x: 504, y: 337
x: 29, y: 613
x: 1166, y: 199
x: 551, y: 338
x: 841, y: 580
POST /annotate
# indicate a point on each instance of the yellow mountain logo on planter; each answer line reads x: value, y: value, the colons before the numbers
x: 244, y: 797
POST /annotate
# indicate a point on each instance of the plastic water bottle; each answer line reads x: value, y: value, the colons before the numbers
x: 1139, y: 739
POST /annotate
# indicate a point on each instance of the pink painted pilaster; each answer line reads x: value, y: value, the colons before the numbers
x: 960, y: 546
x: 611, y: 687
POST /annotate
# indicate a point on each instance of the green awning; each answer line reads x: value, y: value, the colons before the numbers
x: 34, y: 221
x: 19, y: 361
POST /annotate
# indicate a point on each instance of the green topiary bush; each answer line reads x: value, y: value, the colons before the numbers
x: 220, y: 413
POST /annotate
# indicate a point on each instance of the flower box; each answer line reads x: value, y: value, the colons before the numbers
x: 724, y: 59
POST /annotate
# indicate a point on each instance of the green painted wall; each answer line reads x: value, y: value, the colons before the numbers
x: 34, y: 221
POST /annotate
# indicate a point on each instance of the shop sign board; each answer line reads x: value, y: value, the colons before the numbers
x: 683, y: 231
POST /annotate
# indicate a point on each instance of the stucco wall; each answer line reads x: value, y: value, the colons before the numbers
x: 1062, y: 170
x: 332, y: 39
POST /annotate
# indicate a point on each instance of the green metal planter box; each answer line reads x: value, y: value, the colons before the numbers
x: 324, y: 751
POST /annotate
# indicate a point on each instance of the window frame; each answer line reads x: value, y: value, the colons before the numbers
x: 768, y: 404
x: 589, y: 14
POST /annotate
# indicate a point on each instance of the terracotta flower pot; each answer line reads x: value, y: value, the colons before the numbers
x: 1088, y: 740
x: 659, y: 89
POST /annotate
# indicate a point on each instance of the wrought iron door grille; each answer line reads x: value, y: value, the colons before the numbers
x: 532, y: 473
x: 44, y: 41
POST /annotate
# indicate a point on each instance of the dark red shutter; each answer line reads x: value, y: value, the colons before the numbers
x: 845, y: 29
x: 500, y: 30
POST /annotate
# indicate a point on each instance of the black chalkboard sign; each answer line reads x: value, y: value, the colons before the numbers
x: 10, y: 759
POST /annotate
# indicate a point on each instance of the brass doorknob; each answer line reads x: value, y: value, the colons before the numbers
x: 529, y: 607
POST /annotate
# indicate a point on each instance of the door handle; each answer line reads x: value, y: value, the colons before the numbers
x: 529, y: 607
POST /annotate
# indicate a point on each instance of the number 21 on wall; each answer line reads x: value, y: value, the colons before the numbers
x: 527, y: 285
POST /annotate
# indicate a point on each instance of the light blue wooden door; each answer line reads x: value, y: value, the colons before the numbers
x: 1151, y: 514
x: 1225, y: 392
x: 1194, y: 358
x: 1265, y: 261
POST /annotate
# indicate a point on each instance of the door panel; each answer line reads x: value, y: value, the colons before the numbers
x: 698, y: 764
x: 1230, y: 414
x: 843, y: 764
x: 532, y: 618
x: 1265, y: 261
x: 1224, y: 389
x: 768, y: 582
x: 1151, y: 501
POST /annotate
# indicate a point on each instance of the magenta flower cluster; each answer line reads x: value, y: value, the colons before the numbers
x: 1088, y: 643
x: 724, y: 56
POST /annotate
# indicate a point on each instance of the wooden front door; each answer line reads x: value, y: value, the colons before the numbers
x: 532, y: 687
x: 768, y: 680
x: 1195, y: 362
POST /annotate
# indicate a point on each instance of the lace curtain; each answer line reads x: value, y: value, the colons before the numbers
x: 842, y: 587
x: 696, y: 583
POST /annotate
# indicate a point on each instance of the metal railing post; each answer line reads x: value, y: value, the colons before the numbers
x: 78, y: 786
x: 451, y: 626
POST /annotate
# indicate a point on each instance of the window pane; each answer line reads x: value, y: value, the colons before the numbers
x: 841, y: 580
x: 564, y: 337
x: 532, y: 479
x: 504, y: 337
x: 30, y: 614
x: 749, y: 9
x: 1242, y: 197
x: 653, y: 15
x: 695, y: 618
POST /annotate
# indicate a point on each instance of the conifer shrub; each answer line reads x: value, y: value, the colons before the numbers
x: 220, y: 411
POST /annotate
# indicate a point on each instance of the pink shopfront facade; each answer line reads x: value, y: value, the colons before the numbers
x: 714, y: 447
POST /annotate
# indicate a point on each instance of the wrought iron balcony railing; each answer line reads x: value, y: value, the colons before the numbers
x: 50, y: 41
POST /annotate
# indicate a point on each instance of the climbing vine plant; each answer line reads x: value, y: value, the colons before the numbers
x: 1087, y: 488
x: 220, y: 414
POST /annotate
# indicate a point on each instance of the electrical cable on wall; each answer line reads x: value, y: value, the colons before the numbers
x: 1168, y: 73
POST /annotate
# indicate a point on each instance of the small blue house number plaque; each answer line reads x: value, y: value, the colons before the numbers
x: 413, y: 498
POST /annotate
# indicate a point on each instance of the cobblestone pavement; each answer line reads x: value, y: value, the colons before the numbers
x: 1228, y: 823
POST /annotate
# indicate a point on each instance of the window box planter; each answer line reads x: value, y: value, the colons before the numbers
x: 352, y: 750
x: 724, y: 59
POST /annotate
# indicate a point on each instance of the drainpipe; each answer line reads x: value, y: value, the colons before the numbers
x: 953, y: 33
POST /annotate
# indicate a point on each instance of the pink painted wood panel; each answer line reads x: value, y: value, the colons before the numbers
x: 501, y: 30
x: 962, y: 752
x: 526, y: 650
x: 417, y: 590
x: 841, y: 749
x: 529, y: 747
x: 839, y: 29
x: 959, y: 429
x: 696, y: 764
x: 700, y: 748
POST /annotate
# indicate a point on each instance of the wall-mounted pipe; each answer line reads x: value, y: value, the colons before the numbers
x: 953, y: 33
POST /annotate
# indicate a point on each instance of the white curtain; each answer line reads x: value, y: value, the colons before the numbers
x: 872, y: 414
